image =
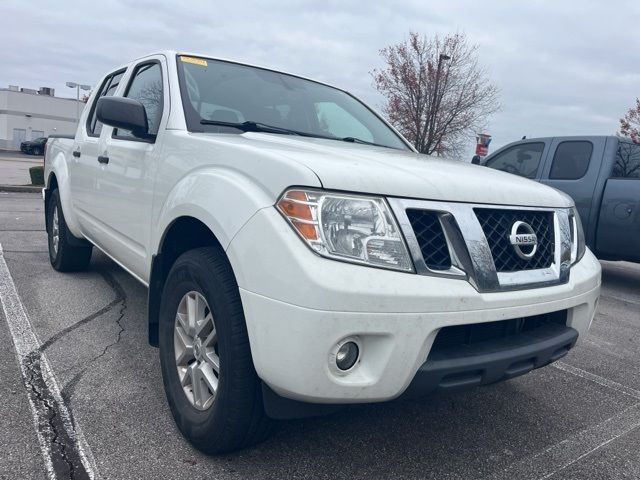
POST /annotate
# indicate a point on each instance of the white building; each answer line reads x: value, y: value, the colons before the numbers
x: 27, y: 114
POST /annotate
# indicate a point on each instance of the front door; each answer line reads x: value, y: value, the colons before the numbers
x: 128, y: 166
x: 573, y: 166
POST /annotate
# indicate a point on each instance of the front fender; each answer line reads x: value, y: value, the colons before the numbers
x: 222, y: 198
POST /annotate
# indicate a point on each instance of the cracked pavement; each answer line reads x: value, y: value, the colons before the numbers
x: 578, y: 421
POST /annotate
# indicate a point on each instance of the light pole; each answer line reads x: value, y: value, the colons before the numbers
x: 435, y: 103
x: 78, y: 86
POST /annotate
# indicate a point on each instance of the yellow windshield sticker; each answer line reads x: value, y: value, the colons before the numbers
x: 196, y: 61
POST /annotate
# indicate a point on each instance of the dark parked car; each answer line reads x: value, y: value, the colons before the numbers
x: 34, y: 147
x: 601, y: 173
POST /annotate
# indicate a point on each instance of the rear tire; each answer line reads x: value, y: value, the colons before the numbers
x: 63, y: 256
x: 230, y: 414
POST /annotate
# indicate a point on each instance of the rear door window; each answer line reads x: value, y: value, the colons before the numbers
x: 571, y: 160
x: 522, y: 159
x: 627, y: 163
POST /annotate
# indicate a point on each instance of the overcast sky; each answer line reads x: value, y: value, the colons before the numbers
x: 562, y: 67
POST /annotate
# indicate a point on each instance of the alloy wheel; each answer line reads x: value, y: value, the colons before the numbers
x: 196, y: 350
x: 55, y: 230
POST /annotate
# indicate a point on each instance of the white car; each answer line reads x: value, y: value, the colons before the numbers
x: 300, y: 255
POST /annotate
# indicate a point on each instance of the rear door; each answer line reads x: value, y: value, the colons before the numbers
x: 619, y: 222
x: 84, y: 166
x: 573, y: 167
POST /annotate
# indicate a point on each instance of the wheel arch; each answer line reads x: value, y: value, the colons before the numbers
x: 50, y: 184
x: 181, y: 235
x: 56, y: 169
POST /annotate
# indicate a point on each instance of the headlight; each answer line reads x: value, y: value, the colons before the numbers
x: 351, y: 228
x: 577, y: 237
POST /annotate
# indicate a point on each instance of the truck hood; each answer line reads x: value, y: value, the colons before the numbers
x: 389, y: 172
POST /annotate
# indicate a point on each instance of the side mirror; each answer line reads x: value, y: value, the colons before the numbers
x: 125, y: 113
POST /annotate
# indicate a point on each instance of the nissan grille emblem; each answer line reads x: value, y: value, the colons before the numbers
x: 524, y: 240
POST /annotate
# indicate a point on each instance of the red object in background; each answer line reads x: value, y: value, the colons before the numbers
x: 482, y: 150
x: 482, y: 144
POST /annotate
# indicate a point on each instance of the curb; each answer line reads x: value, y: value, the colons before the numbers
x: 22, y: 188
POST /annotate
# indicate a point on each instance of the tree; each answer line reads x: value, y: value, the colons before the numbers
x: 436, y: 94
x: 627, y: 163
x: 630, y: 123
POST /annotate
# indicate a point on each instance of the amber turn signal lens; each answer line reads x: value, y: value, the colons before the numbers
x: 294, y: 210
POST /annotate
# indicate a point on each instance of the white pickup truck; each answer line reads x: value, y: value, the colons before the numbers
x: 299, y: 254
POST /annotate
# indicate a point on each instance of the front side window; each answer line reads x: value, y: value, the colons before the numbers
x: 108, y: 88
x: 215, y: 91
x: 571, y: 160
x: 146, y: 87
x: 522, y: 159
x: 627, y: 162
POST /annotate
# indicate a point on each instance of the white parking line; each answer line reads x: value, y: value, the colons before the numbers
x: 592, y: 377
x: 26, y: 344
x: 565, y: 453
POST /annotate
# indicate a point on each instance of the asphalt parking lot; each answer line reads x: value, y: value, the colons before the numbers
x: 577, y: 419
x: 14, y: 167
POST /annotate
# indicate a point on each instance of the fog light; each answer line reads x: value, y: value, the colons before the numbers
x: 347, y: 355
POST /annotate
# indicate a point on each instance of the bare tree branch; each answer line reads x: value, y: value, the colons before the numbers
x: 436, y: 122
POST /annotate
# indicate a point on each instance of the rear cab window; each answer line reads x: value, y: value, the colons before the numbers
x: 571, y: 160
x: 627, y: 161
x: 522, y: 159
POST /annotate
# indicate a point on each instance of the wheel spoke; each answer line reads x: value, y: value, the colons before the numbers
x: 201, y: 326
x: 212, y: 338
x: 201, y: 392
x: 188, y: 378
x: 183, y: 318
x: 213, y: 360
x: 209, y: 377
x: 191, y: 314
x: 186, y: 344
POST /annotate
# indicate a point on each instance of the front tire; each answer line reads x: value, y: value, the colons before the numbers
x: 212, y: 388
x: 63, y: 256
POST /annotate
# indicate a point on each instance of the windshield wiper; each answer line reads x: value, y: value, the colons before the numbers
x: 250, y: 126
x: 364, y: 142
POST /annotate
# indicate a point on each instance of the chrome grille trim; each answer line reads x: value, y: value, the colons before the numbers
x: 470, y: 252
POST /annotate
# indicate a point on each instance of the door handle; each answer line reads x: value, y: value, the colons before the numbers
x: 103, y: 159
x: 76, y: 153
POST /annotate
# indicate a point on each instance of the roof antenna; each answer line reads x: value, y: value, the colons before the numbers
x: 524, y: 137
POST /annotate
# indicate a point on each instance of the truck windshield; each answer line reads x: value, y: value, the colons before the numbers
x: 220, y: 96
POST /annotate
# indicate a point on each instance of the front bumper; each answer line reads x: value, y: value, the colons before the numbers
x: 298, y: 306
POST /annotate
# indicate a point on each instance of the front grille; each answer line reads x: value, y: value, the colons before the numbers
x: 433, y: 244
x: 497, y: 223
x: 472, y: 334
